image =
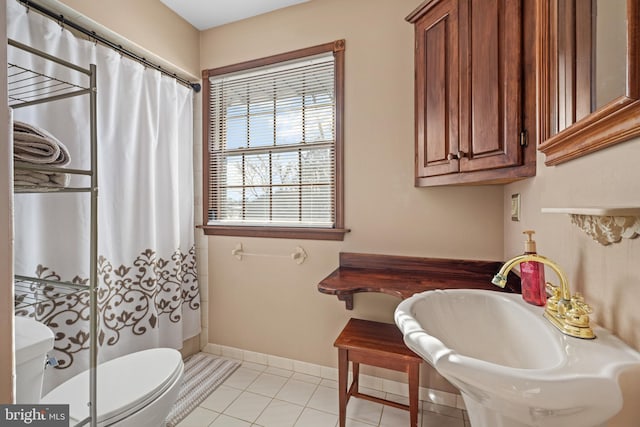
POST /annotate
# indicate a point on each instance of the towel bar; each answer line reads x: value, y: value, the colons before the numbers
x: 298, y: 254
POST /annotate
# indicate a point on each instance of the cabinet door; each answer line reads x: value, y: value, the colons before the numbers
x: 436, y: 100
x: 490, y: 84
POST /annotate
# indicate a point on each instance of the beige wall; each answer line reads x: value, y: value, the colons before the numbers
x: 6, y: 229
x: 272, y: 305
x: 608, y: 276
x: 147, y: 24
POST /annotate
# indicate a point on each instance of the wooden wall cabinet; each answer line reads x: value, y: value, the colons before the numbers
x: 474, y: 91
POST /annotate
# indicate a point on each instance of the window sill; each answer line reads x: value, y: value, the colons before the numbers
x: 276, y: 232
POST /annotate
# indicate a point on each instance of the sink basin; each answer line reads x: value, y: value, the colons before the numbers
x: 513, y: 368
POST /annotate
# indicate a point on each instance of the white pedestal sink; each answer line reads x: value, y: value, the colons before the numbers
x: 513, y: 368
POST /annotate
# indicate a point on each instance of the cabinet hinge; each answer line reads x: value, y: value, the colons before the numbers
x: 524, y: 138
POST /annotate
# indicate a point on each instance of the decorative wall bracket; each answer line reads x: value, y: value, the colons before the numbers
x: 604, y: 225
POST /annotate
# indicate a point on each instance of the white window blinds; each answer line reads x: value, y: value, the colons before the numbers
x: 272, y: 145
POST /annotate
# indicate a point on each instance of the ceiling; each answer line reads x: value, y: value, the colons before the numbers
x: 205, y: 14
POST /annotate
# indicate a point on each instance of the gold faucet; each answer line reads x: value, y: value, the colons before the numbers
x: 569, y: 314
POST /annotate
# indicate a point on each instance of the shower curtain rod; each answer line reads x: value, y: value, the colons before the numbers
x: 92, y: 34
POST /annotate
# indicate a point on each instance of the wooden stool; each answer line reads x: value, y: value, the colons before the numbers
x: 376, y: 344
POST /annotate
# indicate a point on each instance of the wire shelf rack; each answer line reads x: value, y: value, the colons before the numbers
x: 31, y: 291
x: 26, y: 86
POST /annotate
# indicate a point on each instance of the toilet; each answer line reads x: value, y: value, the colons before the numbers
x: 135, y: 390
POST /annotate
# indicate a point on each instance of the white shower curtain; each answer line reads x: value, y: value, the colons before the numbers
x: 148, y: 291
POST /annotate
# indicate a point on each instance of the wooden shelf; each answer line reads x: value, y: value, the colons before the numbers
x: 402, y: 276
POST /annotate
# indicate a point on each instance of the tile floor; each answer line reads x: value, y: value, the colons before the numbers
x: 262, y: 396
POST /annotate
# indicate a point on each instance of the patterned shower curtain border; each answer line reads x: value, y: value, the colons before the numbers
x: 133, y: 298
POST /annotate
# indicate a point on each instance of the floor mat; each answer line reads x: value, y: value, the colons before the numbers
x: 203, y: 373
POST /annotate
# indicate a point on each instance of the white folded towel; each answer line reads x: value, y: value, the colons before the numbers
x: 35, y: 145
x: 36, y: 178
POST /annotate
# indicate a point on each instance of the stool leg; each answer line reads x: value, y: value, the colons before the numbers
x: 414, y: 379
x: 356, y: 376
x: 343, y: 373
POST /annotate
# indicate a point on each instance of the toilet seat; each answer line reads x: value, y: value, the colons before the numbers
x: 124, y: 385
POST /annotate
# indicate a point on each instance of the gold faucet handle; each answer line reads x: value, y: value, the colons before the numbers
x: 552, y: 290
x: 578, y: 315
x: 554, y: 296
x: 578, y: 301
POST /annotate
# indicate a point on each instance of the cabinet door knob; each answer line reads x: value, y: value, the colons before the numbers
x: 456, y: 156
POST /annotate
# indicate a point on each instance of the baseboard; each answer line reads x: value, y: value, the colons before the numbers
x: 380, y: 384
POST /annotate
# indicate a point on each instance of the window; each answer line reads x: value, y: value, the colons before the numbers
x: 273, y: 146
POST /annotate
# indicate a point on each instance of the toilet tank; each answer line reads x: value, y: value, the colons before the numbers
x: 32, y: 342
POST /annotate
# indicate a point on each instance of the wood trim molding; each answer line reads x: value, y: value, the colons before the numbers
x: 420, y: 10
x: 334, y: 46
x: 616, y: 122
x: 276, y: 232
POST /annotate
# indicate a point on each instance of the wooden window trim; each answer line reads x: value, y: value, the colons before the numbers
x: 312, y: 233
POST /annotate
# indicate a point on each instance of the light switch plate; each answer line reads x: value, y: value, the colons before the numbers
x: 515, y: 207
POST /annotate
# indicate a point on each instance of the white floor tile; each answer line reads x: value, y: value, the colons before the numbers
x: 257, y: 358
x: 248, y: 406
x: 306, y: 378
x: 254, y: 366
x: 442, y: 410
x: 225, y: 421
x: 431, y: 419
x: 267, y: 384
x: 327, y: 372
x: 279, y: 414
x: 221, y: 398
x: 394, y: 417
x: 241, y: 378
x: 372, y: 392
x: 307, y: 368
x: 200, y: 417
x: 364, y: 410
x: 329, y: 383
x: 324, y: 399
x: 399, y: 399
x: 296, y: 391
x: 270, y: 396
x: 313, y: 418
x: 356, y: 423
x: 279, y: 371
